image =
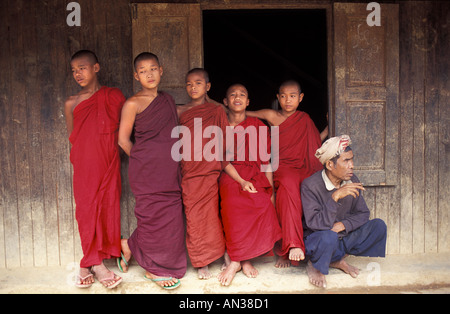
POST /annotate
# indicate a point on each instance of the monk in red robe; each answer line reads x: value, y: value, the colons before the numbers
x: 298, y: 141
x: 200, y: 191
x: 92, y: 118
x: 248, y: 214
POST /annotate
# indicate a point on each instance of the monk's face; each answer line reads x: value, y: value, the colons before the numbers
x: 343, y: 169
x: 148, y: 73
x: 289, y: 98
x: 84, y: 70
x: 237, y: 98
x: 196, y: 86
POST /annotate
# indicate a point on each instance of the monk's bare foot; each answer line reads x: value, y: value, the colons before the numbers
x: 346, y: 268
x: 170, y: 282
x: 227, y: 275
x: 296, y: 254
x: 315, y: 276
x: 249, y: 270
x: 126, y: 254
x: 226, y: 261
x: 283, y: 262
x: 203, y: 272
x: 106, y: 277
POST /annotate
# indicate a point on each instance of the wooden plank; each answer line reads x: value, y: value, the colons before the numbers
x: 407, y: 91
x: 22, y: 153
x: 442, y: 60
x: 9, y: 228
x: 33, y: 108
x: 431, y: 104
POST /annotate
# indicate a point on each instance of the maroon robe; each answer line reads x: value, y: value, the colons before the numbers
x: 158, y: 241
x: 204, y: 237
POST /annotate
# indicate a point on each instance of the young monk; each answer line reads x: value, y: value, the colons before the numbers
x: 204, y: 232
x: 158, y: 241
x: 92, y: 120
x: 249, y: 218
x: 298, y: 141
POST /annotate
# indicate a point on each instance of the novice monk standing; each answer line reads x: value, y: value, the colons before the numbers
x: 299, y: 139
x: 204, y: 232
x: 248, y: 214
x: 92, y: 119
x: 158, y: 241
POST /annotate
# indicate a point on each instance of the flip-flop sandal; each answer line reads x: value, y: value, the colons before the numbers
x: 113, y: 277
x: 80, y: 284
x: 164, y: 279
x: 119, y: 259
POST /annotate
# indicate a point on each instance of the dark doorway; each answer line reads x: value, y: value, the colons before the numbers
x: 263, y: 48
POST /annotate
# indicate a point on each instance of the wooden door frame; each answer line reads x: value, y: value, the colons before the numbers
x: 328, y: 7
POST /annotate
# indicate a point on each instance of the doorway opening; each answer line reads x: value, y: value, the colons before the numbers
x: 263, y: 48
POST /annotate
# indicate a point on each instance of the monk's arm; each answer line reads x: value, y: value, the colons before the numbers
x: 269, y: 175
x: 69, y: 115
x: 246, y: 185
x: 269, y: 115
x: 126, y: 126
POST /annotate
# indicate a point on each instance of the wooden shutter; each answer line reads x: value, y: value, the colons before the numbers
x: 366, y: 89
x: 174, y: 33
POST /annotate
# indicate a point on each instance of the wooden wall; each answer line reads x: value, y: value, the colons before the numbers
x: 37, y: 224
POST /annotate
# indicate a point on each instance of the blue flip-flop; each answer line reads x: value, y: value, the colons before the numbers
x: 164, y: 279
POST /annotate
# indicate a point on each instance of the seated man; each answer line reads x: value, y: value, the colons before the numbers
x: 336, y: 218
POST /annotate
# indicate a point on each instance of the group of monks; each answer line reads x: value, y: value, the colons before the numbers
x: 222, y: 208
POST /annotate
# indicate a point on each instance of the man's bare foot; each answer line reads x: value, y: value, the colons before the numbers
x: 203, y: 272
x: 282, y: 262
x: 296, y: 254
x: 106, y: 277
x: 315, y: 276
x: 227, y: 275
x: 170, y: 282
x: 249, y: 270
x: 346, y: 268
x: 126, y: 254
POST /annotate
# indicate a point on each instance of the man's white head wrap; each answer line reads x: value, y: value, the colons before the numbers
x: 332, y: 147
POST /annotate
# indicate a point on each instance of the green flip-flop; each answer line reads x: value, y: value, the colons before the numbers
x: 164, y: 279
x: 119, y: 259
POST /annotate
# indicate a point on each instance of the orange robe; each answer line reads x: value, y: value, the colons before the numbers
x: 249, y: 219
x: 96, y: 174
x: 200, y: 190
x: 299, y: 139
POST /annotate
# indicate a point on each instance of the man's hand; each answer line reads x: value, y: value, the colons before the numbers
x: 348, y: 189
x: 338, y: 227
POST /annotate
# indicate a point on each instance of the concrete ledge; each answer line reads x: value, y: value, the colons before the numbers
x: 393, y: 274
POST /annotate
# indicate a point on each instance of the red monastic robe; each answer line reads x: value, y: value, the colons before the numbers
x: 204, y: 232
x: 96, y: 174
x: 299, y: 139
x: 249, y: 219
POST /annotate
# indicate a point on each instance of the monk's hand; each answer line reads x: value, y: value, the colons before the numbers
x: 348, y: 189
x: 248, y: 186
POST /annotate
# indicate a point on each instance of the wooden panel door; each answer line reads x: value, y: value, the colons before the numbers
x: 174, y: 33
x: 366, y: 89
